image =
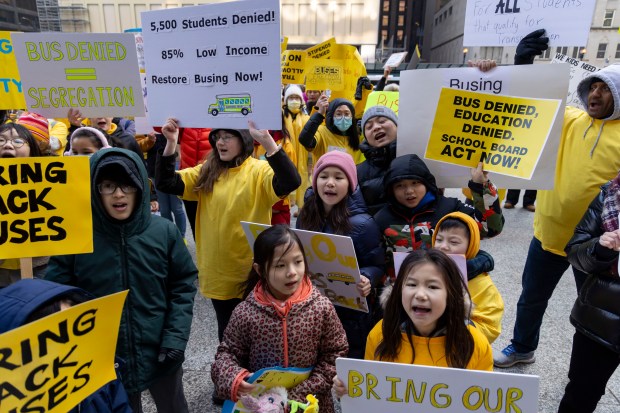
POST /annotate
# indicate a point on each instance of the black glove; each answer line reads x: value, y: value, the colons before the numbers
x: 170, y: 354
x: 362, y: 82
x: 534, y: 44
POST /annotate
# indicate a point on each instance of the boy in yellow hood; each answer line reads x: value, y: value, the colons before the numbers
x: 458, y: 233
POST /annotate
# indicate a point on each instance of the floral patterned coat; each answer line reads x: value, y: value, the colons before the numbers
x: 258, y: 336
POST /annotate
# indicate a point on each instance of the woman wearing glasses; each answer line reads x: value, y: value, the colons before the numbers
x: 339, y: 133
x: 230, y: 186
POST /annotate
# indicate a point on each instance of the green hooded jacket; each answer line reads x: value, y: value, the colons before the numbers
x: 147, y: 255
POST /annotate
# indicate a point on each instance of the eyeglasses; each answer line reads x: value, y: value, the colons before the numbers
x: 340, y: 117
x: 224, y: 138
x: 110, y: 188
x: 16, y: 142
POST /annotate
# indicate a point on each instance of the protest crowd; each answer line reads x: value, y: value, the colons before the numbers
x: 332, y: 168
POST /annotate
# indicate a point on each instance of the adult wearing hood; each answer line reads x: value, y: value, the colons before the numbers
x: 379, y: 126
x: 294, y: 119
x: 29, y: 300
x: 231, y: 186
x: 339, y: 132
x: 588, y: 156
x: 145, y: 254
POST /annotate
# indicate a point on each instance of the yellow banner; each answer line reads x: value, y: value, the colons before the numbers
x: 506, y: 133
x: 321, y: 50
x: 292, y: 64
x: 11, y: 96
x: 324, y: 74
x: 354, y: 68
x: 45, y: 207
x: 54, y: 363
x: 283, y: 44
x: 388, y: 99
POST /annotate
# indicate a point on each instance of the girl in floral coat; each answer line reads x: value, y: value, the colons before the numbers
x: 284, y: 321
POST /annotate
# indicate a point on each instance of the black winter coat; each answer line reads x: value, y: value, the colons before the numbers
x: 596, y: 312
x: 370, y: 174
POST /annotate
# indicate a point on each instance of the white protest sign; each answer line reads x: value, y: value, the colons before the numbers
x: 141, y: 122
x: 331, y: 261
x: 506, y: 22
x: 215, y: 65
x: 578, y: 70
x: 375, y: 386
x: 528, y: 81
x: 94, y: 72
x: 395, y: 59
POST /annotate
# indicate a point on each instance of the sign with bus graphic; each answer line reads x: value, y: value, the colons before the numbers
x: 239, y: 103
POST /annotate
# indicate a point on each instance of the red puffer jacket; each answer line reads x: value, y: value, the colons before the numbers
x: 195, y: 146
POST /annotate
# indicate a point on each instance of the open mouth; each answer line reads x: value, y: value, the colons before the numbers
x: 421, y: 310
x: 102, y: 125
x: 120, y: 206
x: 379, y: 136
x: 7, y: 155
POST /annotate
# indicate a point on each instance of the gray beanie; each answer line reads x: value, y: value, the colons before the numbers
x: 379, y: 110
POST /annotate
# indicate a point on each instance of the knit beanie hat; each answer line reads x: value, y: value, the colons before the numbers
x: 37, y: 125
x: 379, y: 110
x: 293, y: 90
x: 340, y: 160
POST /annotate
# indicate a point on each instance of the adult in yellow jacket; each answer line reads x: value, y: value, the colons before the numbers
x: 588, y: 157
x: 231, y: 186
x: 339, y: 133
x: 295, y: 118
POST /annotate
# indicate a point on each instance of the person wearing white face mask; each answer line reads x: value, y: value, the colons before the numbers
x: 339, y: 132
x: 294, y: 118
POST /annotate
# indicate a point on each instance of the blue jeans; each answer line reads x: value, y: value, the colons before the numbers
x: 171, y: 205
x: 543, y: 270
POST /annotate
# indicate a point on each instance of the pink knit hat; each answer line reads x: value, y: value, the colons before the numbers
x: 340, y: 160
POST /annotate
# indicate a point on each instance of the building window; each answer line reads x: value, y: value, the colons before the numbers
x: 386, y: 5
x: 440, y: 18
x: 562, y: 50
x: 399, y: 35
x: 609, y: 18
x: 450, y: 11
x: 401, y: 5
x: 602, y: 49
x: 401, y: 21
x: 385, y: 21
x: 546, y: 54
x: 435, y: 21
x: 618, y: 51
x: 575, y: 52
x: 384, y: 35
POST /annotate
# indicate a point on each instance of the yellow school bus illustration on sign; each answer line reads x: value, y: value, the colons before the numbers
x: 234, y: 103
x: 340, y: 276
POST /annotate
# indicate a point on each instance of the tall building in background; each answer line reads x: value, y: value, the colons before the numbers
x: 19, y: 15
x: 49, y: 15
x: 401, y: 27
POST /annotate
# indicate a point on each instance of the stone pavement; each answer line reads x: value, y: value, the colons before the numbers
x: 509, y: 250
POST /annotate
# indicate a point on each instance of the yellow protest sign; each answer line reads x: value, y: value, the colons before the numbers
x: 283, y: 44
x: 324, y: 74
x: 292, y: 65
x: 506, y: 133
x: 321, y: 50
x: 354, y: 68
x: 45, y: 207
x: 54, y: 363
x: 11, y: 96
x: 387, y: 99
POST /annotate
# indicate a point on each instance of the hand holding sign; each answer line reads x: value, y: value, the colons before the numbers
x: 478, y: 174
x: 323, y: 103
x: 532, y: 45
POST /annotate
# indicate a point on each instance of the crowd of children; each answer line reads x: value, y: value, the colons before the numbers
x: 342, y: 179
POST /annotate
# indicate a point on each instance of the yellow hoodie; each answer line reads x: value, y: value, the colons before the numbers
x: 488, y: 303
